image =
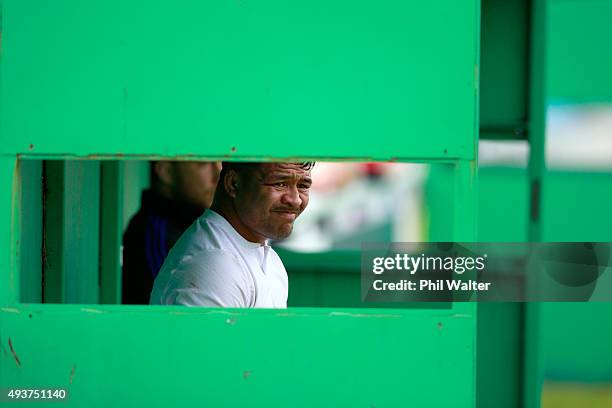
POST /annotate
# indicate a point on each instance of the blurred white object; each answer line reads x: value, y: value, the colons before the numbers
x: 579, y: 137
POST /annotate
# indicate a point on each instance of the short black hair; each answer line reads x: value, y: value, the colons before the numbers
x: 240, y: 167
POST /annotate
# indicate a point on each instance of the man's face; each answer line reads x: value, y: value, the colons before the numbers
x: 195, y: 182
x: 271, y: 196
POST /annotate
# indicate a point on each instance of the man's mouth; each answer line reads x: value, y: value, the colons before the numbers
x: 286, y: 214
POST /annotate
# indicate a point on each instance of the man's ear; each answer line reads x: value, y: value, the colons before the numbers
x: 230, y: 183
x: 164, y: 172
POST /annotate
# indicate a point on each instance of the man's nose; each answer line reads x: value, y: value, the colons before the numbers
x: 292, y: 197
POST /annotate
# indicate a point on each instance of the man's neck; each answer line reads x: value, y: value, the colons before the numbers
x: 227, y: 211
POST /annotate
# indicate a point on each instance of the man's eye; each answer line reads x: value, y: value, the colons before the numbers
x: 280, y: 184
x: 304, y: 186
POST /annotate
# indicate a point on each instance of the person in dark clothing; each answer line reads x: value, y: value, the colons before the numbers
x: 179, y: 194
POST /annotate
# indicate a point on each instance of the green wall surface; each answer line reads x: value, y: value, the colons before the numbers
x: 578, y: 336
x: 161, y: 356
x: 344, y: 80
x: 504, y: 69
x: 580, y: 51
x: 576, y: 207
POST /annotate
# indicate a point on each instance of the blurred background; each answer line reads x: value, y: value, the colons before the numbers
x: 353, y: 203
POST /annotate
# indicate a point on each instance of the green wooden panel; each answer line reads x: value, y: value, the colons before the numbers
x: 582, y: 199
x: 502, y: 209
x: 71, y: 231
x: 269, y: 79
x: 340, y: 80
x: 582, y: 354
x: 465, y: 202
x: 499, y: 359
x: 82, y: 231
x: 333, y: 279
x: 501, y: 219
x: 10, y: 229
x: 532, y: 346
x: 195, y: 356
x: 580, y: 33
x: 111, y: 231
x: 504, y: 69
x: 328, y: 279
x: 31, y: 226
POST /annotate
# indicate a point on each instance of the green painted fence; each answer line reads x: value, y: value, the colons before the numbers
x: 236, y: 80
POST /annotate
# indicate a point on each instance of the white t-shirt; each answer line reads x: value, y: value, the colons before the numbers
x: 213, y: 265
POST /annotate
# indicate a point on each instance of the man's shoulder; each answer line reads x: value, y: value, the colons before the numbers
x: 208, y: 263
x: 211, y: 277
x: 200, y: 236
x: 216, y: 256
